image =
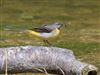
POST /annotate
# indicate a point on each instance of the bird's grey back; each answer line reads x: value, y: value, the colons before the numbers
x: 52, y: 26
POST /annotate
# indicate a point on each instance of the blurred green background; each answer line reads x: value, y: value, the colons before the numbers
x: 82, y: 33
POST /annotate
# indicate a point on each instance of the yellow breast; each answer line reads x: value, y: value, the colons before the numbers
x: 55, y: 32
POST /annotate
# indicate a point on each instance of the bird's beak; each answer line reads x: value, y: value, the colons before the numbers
x: 65, y: 25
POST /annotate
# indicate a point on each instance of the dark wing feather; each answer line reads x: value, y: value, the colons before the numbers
x: 42, y: 30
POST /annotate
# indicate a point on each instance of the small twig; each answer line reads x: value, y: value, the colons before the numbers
x: 39, y: 69
x: 45, y: 71
x: 61, y: 70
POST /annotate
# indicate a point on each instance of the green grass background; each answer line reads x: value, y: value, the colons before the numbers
x: 82, y: 33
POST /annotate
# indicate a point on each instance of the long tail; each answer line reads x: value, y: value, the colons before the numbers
x: 33, y: 32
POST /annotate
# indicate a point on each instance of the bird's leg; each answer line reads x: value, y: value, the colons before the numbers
x: 47, y: 42
x: 44, y: 42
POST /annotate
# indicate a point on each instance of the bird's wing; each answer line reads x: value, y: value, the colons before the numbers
x: 48, y: 26
x: 42, y: 30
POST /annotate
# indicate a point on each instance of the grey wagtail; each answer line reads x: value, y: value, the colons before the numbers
x: 46, y: 31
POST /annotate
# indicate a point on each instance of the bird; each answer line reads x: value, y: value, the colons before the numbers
x: 46, y: 31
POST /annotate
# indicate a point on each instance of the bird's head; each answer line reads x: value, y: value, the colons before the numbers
x: 58, y: 25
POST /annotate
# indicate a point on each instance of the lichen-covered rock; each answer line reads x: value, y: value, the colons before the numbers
x: 40, y: 59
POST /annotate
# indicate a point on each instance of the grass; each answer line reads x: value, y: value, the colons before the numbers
x: 82, y: 35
